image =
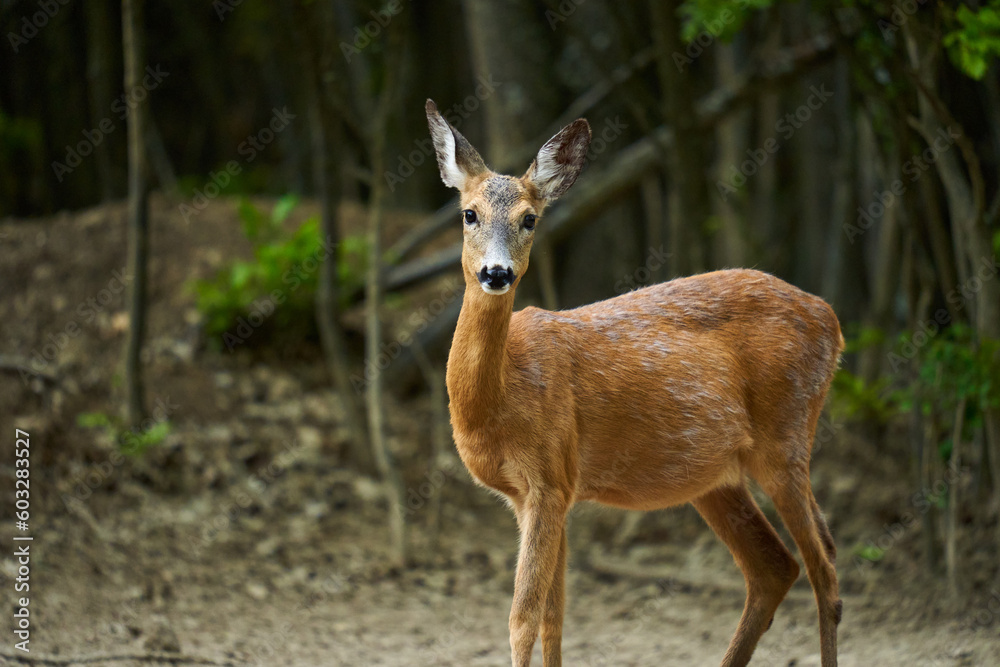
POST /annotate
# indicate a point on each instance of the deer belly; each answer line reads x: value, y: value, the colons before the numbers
x: 652, y: 475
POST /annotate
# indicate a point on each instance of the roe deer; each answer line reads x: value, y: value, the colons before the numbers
x: 694, y: 384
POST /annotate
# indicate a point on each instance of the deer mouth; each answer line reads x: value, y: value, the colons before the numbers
x: 495, y: 290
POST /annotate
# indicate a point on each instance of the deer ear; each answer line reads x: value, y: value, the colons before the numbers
x: 456, y: 157
x: 560, y: 160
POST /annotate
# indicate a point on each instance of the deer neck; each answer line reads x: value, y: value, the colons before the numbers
x: 479, y: 362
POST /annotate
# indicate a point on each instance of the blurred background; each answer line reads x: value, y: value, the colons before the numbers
x: 230, y: 279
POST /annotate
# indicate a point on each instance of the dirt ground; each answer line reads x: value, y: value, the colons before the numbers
x: 243, y: 539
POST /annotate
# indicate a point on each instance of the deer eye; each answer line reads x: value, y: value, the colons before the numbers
x: 529, y: 221
x: 470, y: 217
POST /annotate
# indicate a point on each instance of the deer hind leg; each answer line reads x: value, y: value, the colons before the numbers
x: 824, y: 532
x: 793, y: 498
x: 767, y: 565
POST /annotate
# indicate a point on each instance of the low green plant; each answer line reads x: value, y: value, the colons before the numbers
x: 952, y: 368
x: 955, y: 370
x: 869, y: 552
x: 282, y: 277
x: 855, y: 399
x: 132, y: 441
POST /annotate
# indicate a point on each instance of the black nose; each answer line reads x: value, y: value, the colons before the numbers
x: 496, y: 277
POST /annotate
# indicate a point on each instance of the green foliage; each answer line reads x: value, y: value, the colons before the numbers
x: 720, y: 18
x: 869, y: 552
x: 130, y: 441
x: 951, y: 367
x: 855, y: 399
x: 283, y: 276
x: 975, y: 38
x: 954, y: 368
x: 864, y: 337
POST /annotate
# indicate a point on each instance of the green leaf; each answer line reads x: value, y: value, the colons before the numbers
x: 251, y: 218
x: 281, y: 210
x: 93, y: 420
x: 869, y: 552
x: 974, y: 39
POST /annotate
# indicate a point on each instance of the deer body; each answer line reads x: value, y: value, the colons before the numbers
x: 670, y: 394
x: 644, y: 400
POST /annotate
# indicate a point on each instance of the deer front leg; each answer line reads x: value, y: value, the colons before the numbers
x: 552, y: 619
x: 543, y: 524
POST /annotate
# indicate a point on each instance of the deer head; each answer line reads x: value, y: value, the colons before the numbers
x: 500, y: 212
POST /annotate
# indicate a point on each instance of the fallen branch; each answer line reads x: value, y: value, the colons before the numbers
x: 171, y: 658
x: 22, y: 365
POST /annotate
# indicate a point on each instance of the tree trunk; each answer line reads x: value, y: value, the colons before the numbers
x: 731, y: 136
x: 965, y: 197
x: 524, y: 100
x: 688, y: 187
x: 885, y: 272
x: 391, y: 480
x: 327, y: 178
x: 99, y: 49
x: 138, y: 210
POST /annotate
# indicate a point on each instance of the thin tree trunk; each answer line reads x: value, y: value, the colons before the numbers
x: 440, y: 438
x: 844, y: 269
x: 159, y: 159
x: 654, y: 210
x: 690, y: 208
x: 951, y: 538
x: 327, y: 180
x: 885, y: 274
x: 391, y: 480
x: 138, y: 210
x: 525, y: 99
x: 547, y: 275
x: 763, y: 186
x: 731, y: 138
x: 99, y: 38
